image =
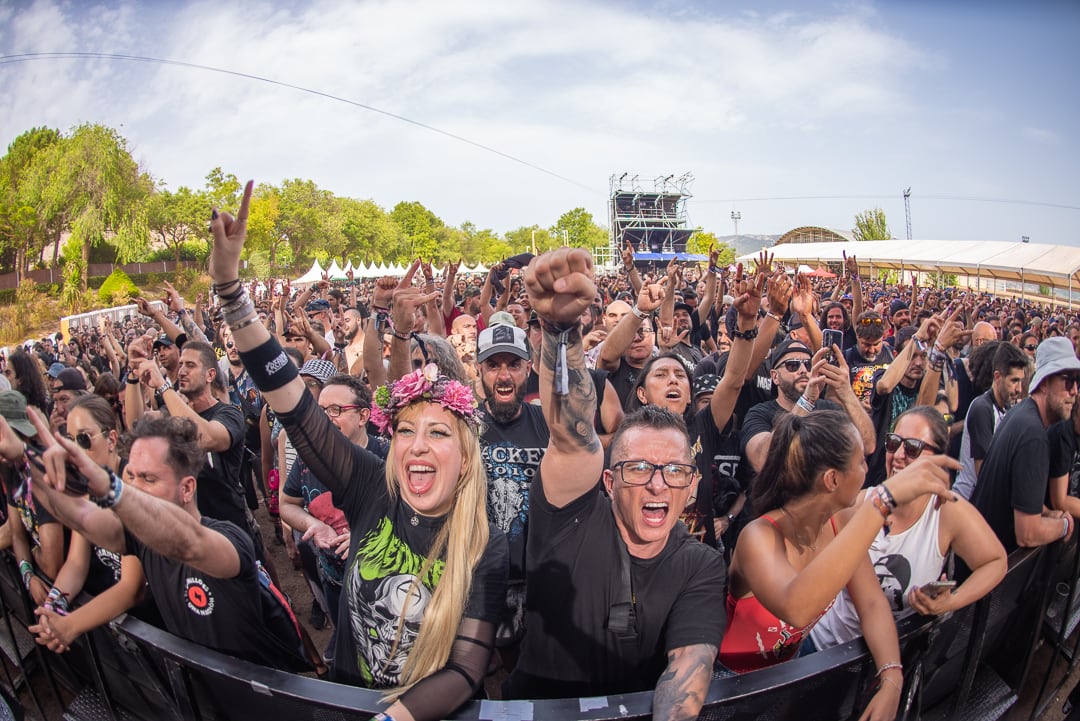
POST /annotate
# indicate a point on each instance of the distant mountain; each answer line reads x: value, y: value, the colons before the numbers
x: 748, y: 243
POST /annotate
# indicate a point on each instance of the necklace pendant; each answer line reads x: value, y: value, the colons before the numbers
x: 414, y: 520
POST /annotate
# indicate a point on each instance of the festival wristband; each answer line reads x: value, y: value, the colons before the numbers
x: 268, y: 366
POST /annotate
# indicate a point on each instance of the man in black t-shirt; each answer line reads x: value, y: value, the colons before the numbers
x: 800, y: 383
x: 202, y: 572
x: 220, y: 426
x: 868, y: 355
x: 620, y: 597
x: 1011, y: 487
x: 515, y: 435
x: 631, y: 343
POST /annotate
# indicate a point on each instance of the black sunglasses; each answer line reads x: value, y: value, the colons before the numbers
x: 1030, y: 347
x: 793, y: 365
x: 1071, y: 381
x: 84, y: 439
x: 913, y: 447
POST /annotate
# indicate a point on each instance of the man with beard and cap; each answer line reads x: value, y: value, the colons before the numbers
x: 1011, y: 490
x: 986, y: 411
x: 800, y: 379
x: 513, y: 443
x: 168, y: 356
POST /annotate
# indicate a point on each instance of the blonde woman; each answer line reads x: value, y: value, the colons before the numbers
x: 426, y: 573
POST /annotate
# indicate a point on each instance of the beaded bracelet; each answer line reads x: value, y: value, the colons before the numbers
x: 874, y: 497
x: 112, y: 497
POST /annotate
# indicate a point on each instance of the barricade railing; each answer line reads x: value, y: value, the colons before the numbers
x: 136, y: 670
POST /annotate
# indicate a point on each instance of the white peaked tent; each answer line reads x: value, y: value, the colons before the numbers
x: 335, y: 272
x: 314, y: 275
x: 480, y: 268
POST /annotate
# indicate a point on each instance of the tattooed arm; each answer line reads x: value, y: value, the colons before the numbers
x: 680, y: 692
x: 560, y: 287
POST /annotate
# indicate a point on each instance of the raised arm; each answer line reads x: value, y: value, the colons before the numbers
x: 727, y: 391
x: 213, y: 435
x: 802, y: 304
x: 631, y: 269
x: 560, y: 286
x: 851, y: 265
x: 449, y: 281
x: 622, y: 335
x: 836, y: 376
x: 709, y: 296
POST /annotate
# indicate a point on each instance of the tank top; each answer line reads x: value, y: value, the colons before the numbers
x: 901, y: 561
x: 755, y: 638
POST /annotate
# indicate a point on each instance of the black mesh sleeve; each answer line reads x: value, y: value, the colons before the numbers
x: 436, y: 696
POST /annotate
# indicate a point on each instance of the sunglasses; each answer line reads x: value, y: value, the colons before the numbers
x: 1070, y: 381
x: 84, y: 439
x: 870, y: 321
x: 1030, y: 347
x: 791, y: 366
x: 913, y: 447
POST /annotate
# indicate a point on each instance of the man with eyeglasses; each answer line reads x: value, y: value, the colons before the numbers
x: 307, y: 506
x: 1011, y: 490
x: 869, y: 354
x: 620, y: 597
x: 800, y: 379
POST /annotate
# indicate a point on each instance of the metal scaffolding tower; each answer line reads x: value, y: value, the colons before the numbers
x: 652, y: 218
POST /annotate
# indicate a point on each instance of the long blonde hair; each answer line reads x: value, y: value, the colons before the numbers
x: 467, y: 524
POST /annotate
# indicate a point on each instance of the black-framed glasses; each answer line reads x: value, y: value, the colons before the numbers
x: 792, y: 366
x: 84, y: 439
x: 913, y: 447
x: 643, y: 331
x: 335, y: 410
x: 639, y: 473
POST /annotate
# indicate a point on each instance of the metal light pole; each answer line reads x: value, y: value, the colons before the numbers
x: 736, y: 216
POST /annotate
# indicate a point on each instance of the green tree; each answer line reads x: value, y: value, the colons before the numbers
x: 23, y: 233
x: 423, y: 231
x: 702, y: 241
x: 528, y: 239
x: 577, y: 229
x: 481, y: 245
x: 370, y: 234
x: 177, y: 218
x: 871, y: 225
x: 90, y: 184
x: 222, y: 190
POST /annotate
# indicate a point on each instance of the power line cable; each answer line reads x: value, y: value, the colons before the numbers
x: 25, y: 57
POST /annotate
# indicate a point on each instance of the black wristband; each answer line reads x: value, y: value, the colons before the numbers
x: 268, y: 366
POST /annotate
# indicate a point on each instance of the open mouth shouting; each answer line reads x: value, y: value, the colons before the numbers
x: 420, y: 477
x: 654, y: 513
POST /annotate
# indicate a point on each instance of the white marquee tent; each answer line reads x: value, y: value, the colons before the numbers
x: 313, y: 275
x: 1057, y: 266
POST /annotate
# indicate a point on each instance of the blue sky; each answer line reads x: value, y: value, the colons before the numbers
x: 777, y: 101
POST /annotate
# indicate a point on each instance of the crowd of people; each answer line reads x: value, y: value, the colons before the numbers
x: 585, y: 482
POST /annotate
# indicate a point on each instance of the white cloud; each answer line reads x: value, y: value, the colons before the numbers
x: 749, y: 102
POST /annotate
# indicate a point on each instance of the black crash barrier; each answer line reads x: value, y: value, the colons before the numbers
x: 132, y: 670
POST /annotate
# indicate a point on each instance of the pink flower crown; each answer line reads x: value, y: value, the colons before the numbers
x: 425, y: 384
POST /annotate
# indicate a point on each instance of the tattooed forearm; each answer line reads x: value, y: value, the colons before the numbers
x: 680, y: 691
x: 569, y: 417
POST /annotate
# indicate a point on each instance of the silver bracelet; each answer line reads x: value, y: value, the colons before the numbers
x: 245, y: 322
x: 235, y: 315
x: 639, y: 313
x: 234, y: 305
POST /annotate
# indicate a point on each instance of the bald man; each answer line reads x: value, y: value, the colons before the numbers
x: 982, y: 333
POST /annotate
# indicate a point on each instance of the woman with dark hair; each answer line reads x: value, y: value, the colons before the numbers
x: 115, y: 581
x: 786, y: 571
x: 24, y: 375
x: 1029, y: 343
x: 920, y: 535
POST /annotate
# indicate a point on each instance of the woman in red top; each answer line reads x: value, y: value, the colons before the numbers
x: 785, y: 571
